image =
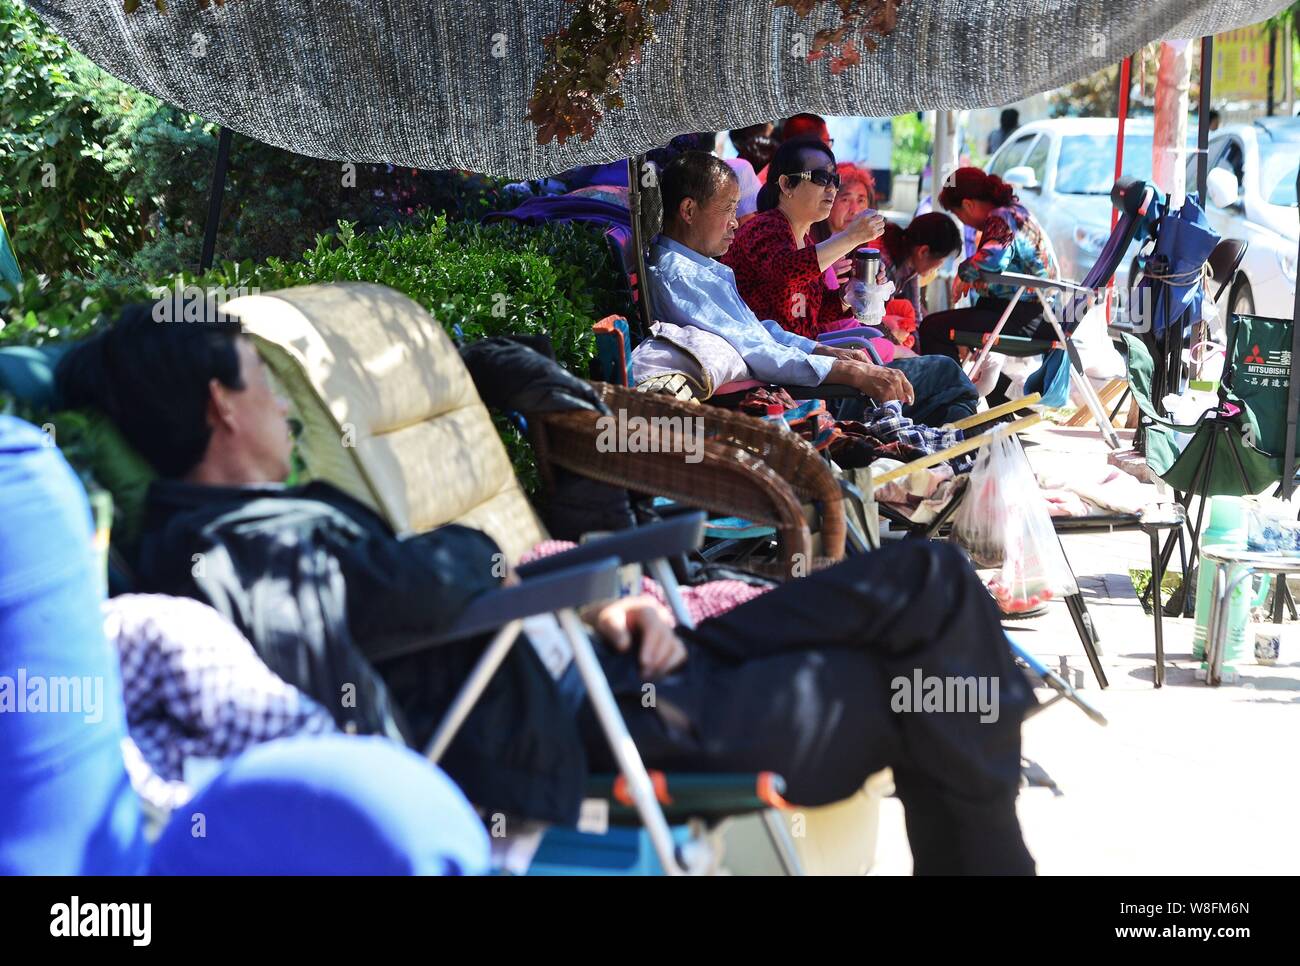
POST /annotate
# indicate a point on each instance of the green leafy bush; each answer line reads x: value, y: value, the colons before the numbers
x: 101, y: 178
x: 912, y: 142
x: 477, y: 280
x: 65, y: 207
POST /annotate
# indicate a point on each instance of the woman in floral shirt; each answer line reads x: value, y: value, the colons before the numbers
x: 1010, y: 241
x: 780, y: 271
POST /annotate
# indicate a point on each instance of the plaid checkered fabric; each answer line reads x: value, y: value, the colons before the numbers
x: 446, y: 85
x: 194, y: 687
x: 888, y: 424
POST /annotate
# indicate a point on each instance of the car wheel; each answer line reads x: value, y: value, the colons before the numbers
x: 1242, y: 300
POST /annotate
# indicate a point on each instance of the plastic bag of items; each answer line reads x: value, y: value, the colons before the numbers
x: 1003, y: 522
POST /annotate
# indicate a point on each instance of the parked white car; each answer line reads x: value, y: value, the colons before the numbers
x: 1063, y: 170
x: 1252, y: 196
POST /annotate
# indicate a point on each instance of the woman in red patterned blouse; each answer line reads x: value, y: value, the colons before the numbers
x: 780, y: 270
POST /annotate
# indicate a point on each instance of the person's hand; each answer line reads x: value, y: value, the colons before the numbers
x: 867, y: 227
x: 879, y: 382
x: 854, y: 296
x: 851, y: 355
x: 644, y: 621
x: 960, y: 287
x: 843, y: 269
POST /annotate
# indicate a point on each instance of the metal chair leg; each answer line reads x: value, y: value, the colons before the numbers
x: 472, y: 689
x: 1166, y: 554
x: 1081, y: 382
x: 621, y: 745
x: 1282, y: 598
x: 1078, y: 609
x: 1120, y: 405
x: 1083, y: 625
x: 1193, y: 558
x: 781, y: 841
x: 1157, y: 575
x: 662, y: 572
x: 973, y: 370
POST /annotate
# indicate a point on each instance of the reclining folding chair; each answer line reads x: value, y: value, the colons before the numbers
x: 1241, y: 446
x: 1136, y: 201
x: 1170, y: 291
x: 740, y: 448
x: 1221, y: 268
x: 390, y: 415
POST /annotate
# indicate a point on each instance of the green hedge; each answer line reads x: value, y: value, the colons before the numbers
x: 477, y: 280
x: 96, y: 176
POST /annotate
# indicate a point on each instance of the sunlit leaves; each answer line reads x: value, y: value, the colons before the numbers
x: 861, y: 22
x: 587, y: 61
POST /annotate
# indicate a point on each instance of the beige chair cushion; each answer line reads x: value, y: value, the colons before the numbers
x: 389, y: 412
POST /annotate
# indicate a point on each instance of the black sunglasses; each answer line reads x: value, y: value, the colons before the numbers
x: 822, y: 179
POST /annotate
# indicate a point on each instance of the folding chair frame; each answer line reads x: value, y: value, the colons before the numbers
x: 1075, y: 603
x: 1134, y: 198
x: 1078, y: 378
x: 560, y: 585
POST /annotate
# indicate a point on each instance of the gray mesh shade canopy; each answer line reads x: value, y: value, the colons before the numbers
x: 438, y: 84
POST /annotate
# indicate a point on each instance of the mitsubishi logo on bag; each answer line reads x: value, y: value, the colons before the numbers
x: 1255, y: 356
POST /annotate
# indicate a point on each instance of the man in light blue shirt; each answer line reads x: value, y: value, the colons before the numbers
x: 688, y: 286
x: 691, y: 289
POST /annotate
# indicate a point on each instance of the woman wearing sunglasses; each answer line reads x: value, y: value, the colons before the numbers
x: 780, y: 270
x: 782, y: 274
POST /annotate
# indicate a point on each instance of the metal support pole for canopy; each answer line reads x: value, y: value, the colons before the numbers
x: 1293, y: 392
x: 1271, y: 107
x: 1125, y: 82
x: 214, y: 201
x: 1203, y: 117
x: 946, y: 151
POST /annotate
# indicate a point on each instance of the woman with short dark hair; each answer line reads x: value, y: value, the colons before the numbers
x: 908, y: 255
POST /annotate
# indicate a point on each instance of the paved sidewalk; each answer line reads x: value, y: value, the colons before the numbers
x: 1187, y: 779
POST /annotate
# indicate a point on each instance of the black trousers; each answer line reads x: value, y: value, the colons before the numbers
x: 1026, y: 320
x: 805, y: 681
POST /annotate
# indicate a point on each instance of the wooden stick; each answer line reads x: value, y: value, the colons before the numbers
x: 952, y: 452
x: 997, y: 411
x: 1107, y: 395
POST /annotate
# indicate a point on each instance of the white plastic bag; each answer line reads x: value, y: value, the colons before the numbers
x: 1003, y: 522
x: 868, y: 301
x: 1101, y: 361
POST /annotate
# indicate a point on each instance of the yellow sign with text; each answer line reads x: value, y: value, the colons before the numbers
x: 1241, y: 66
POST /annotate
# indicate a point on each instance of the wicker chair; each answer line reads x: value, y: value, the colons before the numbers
x: 749, y: 468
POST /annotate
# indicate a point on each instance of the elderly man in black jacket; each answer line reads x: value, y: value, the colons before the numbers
x: 813, y: 680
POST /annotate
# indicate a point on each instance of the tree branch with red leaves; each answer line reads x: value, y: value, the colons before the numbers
x: 586, y: 61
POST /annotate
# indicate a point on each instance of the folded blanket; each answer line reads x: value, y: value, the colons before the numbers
x: 1103, y: 486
